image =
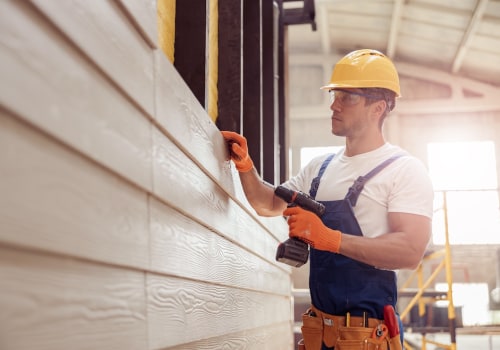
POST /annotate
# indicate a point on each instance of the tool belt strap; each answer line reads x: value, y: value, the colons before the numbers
x: 356, y: 321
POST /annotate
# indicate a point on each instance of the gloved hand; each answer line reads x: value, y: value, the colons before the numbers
x: 308, y: 227
x: 239, y: 151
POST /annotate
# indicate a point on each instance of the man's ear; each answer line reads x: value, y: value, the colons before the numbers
x: 378, y: 108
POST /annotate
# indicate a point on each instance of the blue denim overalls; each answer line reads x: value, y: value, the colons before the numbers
x: 337, y: 283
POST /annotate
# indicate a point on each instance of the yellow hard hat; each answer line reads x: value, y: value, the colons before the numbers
x: 365, y: 69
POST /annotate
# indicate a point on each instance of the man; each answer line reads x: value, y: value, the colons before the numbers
x: 372, y: 226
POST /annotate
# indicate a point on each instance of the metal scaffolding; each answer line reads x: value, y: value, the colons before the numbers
x: 422, y: 295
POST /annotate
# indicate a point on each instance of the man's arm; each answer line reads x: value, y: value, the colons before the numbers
x: 402, y: 248
x: 259, y: 193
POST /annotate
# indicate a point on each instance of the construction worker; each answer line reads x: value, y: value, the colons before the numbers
x: 369, y: 230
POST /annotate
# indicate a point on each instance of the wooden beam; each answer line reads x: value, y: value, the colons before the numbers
x: 395, y: 26
x: 474, y: 23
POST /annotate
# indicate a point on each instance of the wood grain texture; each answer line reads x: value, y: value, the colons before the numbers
x: 69, y: 98
x: 107, y: 36
x: 182, y: 184
x: 143, y: 14
x: 181, y: 247
x: 53, y: 199
x: 186, y: 124
x: 122, y: 223
x: 268, y: 338
x: 49, y: 303
x: 206, y: 309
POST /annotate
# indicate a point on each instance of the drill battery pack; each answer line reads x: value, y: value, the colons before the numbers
x: 293, y: 252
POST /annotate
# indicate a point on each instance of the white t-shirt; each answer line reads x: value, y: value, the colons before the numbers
x: 402, y: 186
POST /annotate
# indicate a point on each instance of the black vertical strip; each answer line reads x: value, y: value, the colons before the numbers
x: 190, y: 45
x: 230, y: 59
x: 269, y: 144
x: 251, y: 80
x: 282, y: 143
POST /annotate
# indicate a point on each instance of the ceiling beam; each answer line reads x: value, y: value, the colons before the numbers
x: 486, y: 101
x: 431, y: 107
x: 300, y: 15
x: 394, y: 29
x: 455, y: 82
x: 324, y: 27
x: 469, y: 34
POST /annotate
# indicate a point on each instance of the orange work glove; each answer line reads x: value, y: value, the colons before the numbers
x: 308, y: 227
x: 239, y: 151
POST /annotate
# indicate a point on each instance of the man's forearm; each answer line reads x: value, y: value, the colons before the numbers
x: 260, y: 194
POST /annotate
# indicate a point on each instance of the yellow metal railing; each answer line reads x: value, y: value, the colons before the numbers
x: 424, y: 296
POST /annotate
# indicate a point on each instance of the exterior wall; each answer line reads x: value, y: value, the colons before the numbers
x: 122, y: 224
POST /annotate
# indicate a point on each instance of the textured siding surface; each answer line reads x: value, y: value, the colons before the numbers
x: 122, y: 224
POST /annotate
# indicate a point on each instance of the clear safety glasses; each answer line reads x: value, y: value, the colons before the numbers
x: 348, y: 98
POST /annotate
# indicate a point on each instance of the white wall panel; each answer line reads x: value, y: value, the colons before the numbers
x: 266, y: 338
x: 48, y: 83
x: 53, y: 199
x: 122, y: 223
x: 185, y: 121
x: 143, y: 14
x: 54, y: 303
x: 209, y: 310
x: 107, y: 36
x: 183, y: 185
x: 182, y: 247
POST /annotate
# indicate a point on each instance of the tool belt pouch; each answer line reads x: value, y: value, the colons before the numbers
x: 359, y: 338
x: 312, y: 331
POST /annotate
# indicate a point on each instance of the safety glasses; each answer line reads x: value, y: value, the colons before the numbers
x: 348, y: 98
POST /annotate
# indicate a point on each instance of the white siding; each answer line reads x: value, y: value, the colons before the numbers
x: 122, y: 224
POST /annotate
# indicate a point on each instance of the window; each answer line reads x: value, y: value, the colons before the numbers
x: 465, y: 172
x: 309, y: 153
x: 471, y: 299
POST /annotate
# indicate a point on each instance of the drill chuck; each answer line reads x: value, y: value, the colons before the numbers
x: 301, y: 199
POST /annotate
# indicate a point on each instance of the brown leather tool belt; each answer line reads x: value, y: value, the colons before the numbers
x: 342, y: 332
x: 355, y: 321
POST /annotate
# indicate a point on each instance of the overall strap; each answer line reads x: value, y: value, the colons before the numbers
x: 315, y: 182
x: 359, y: 184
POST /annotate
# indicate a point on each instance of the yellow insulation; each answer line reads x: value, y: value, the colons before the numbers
x: 213, y: 59
x: 166, y: 27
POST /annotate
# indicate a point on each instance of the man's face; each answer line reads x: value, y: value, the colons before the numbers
x: 351, y: 115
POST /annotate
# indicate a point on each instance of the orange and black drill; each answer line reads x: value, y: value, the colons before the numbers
x: 293, y: 251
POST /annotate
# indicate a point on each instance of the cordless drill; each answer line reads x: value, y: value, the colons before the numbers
x: 293, y: 251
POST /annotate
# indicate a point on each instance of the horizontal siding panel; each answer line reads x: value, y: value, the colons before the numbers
x: 53, y: 303
x: 181, y: 183
x: 144, y: 14
x: 106, y: 35
x: 269, y: 338
x: 54, y: 199
x: 67, y: 96
x: 185, y: 121
x: 276, y: 226
x: 184, y: 248
x: 123, y: 224
x: 186, y: 311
